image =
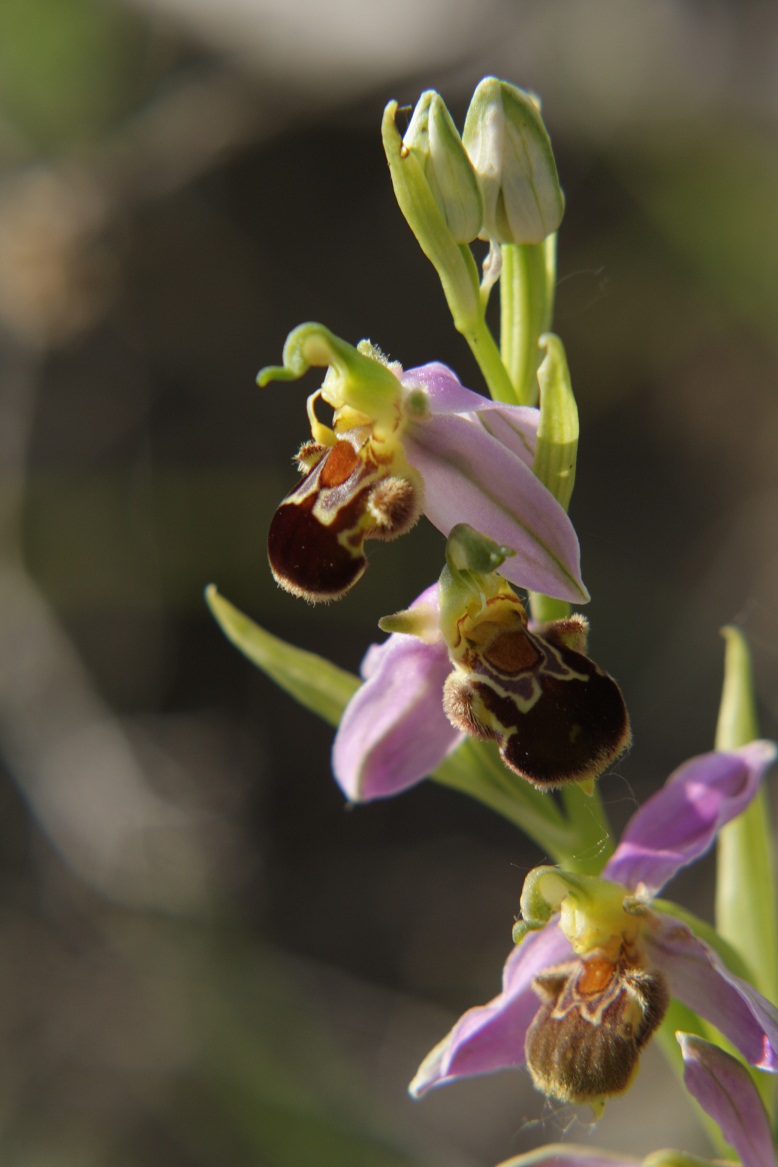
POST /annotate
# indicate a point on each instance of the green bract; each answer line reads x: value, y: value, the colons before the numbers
x: 557, y: 445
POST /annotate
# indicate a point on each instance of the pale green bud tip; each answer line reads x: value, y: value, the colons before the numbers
x: 434, y: 139
x: 511, y: 153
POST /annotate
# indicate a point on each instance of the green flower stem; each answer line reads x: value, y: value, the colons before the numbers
x: 544, y: 609
x: 525, y: 313
x: 594, y: 842
x: 484, y: 348
x: 475, y: 769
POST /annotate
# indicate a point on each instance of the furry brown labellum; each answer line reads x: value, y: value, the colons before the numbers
x: 596, y: 1015
x: 317, y: 535
x: 556, y: 716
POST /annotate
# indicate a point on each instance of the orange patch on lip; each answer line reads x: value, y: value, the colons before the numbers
x: 596, y: 975
x: 512, y: 652
x: 340, y: 463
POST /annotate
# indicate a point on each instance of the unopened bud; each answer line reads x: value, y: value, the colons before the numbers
x: 511, y: 153
x: 435, y: 140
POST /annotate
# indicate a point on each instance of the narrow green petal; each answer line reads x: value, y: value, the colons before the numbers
x: 315, y: 682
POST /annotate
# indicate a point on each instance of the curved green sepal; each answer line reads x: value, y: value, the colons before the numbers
x: 315, y: 682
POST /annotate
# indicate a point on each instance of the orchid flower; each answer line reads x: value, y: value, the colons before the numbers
x: 597, y: 959
x: 403, y: 444
x: 463, y: 659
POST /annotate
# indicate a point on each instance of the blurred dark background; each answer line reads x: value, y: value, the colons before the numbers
x: 207, y: 958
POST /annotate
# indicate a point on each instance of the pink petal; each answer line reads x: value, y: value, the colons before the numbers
x: 700, y: 979
x: 725, y: 1090
x: 471, y: 477
x: 393, y: 731
x: 515, y: 426
x: 491, y: 1037
x: 446, y: 392
x: 680, y: 822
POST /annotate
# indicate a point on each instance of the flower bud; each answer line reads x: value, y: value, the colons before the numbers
x: 435, y: 141
x: 452, y: 261
x: 511, y: 153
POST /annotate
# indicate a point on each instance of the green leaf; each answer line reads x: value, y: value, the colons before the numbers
x: 315, y: 682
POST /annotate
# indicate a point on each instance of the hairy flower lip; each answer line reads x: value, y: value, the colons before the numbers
x: 393, y: 732
x: 491, y: 1037
x: 725, y: 1091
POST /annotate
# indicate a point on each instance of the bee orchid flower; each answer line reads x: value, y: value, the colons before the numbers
x: 463, y: 659
x: 597, y: 959
x: 402, y: 444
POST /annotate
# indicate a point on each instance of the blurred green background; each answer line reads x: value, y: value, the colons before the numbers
x: 208, y: 959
